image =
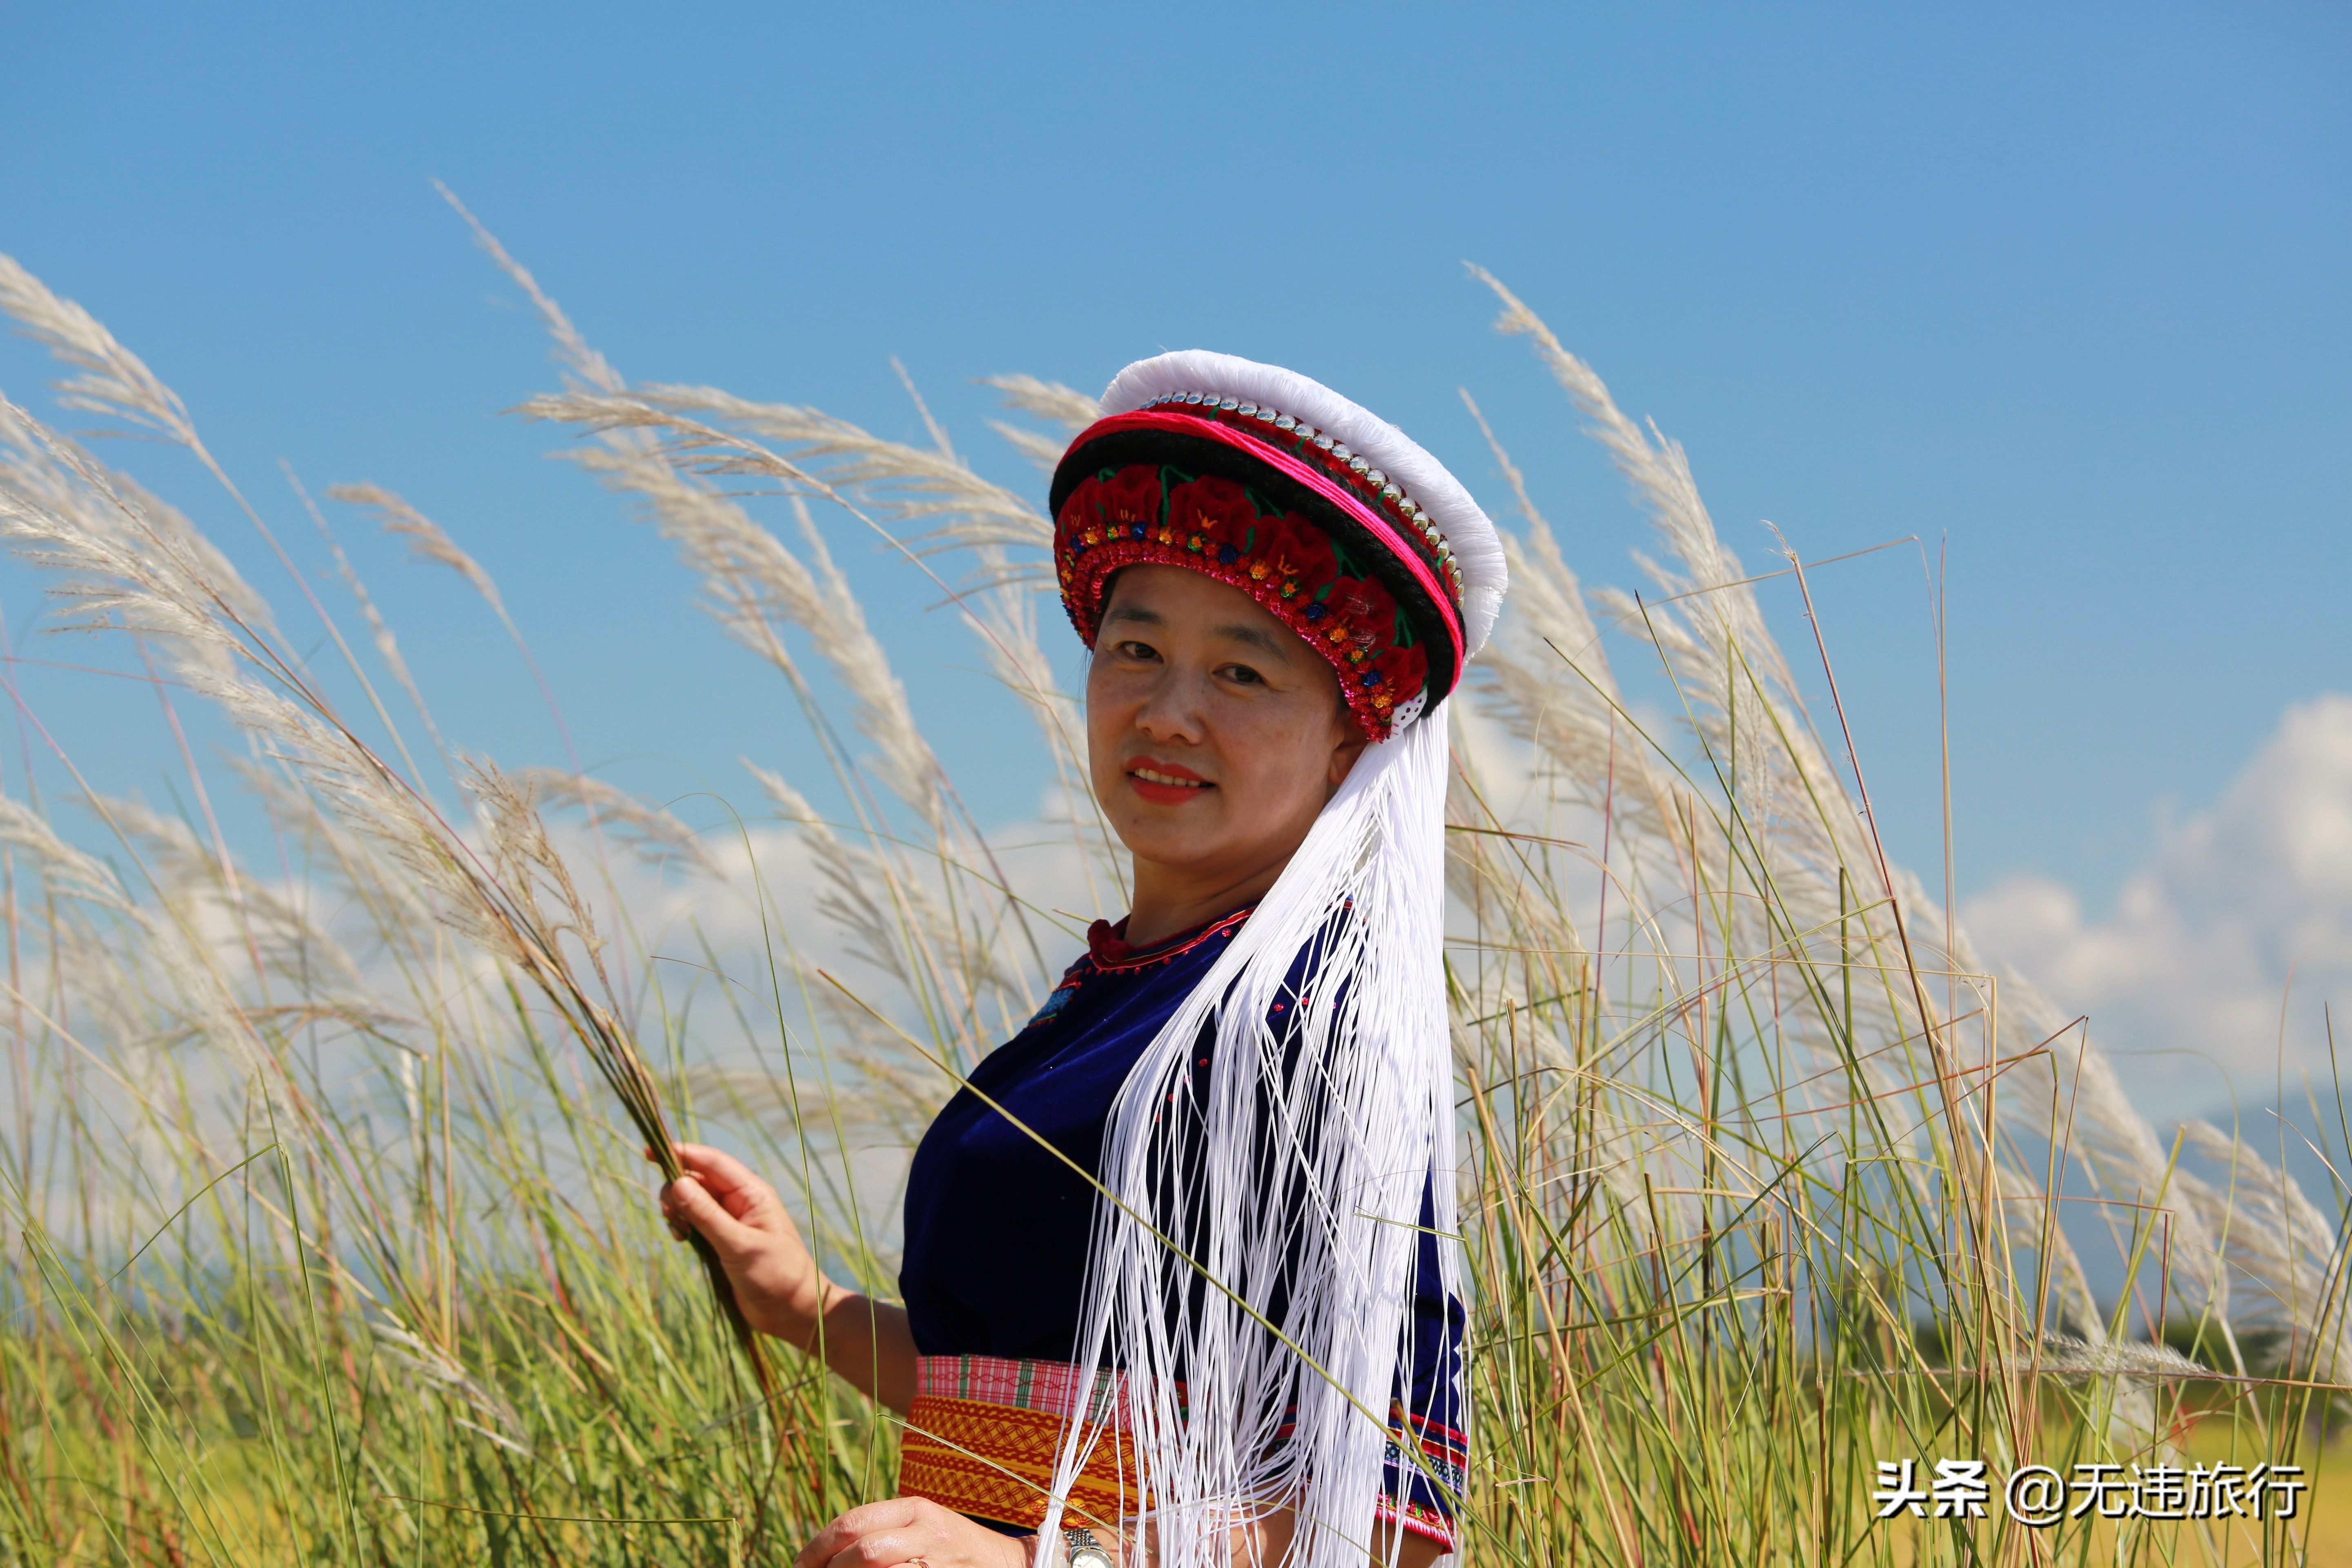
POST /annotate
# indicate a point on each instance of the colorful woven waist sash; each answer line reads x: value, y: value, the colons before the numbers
x: 983, y: 1433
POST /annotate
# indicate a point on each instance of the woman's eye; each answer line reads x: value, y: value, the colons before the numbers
x: 1137, y: 650
x: 1242, y: 675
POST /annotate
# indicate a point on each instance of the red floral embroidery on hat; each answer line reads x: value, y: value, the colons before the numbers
x: 1358, y: 622
x: 1393, y: 677
x: 1130, y: 500
x: 1080, y: 525
x: 1212, y: 516
x: 1291, y: 556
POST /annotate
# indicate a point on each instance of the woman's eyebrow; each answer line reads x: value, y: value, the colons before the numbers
x: 1256, y: 638
x: 1135, y: 613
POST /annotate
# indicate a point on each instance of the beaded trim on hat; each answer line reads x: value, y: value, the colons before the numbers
x: 1349, y: 466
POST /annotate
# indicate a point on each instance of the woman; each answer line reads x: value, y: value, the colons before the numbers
x: 1179, y: 1279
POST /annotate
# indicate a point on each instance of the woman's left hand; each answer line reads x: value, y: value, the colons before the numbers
x: 909, y: 1530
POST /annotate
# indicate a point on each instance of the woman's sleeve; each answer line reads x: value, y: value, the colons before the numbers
x: 1426, y: 1416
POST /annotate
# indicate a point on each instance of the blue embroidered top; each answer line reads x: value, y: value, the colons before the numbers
x: 997, y: 1228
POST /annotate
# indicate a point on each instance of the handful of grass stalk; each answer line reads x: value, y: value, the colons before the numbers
x: 130, y: 563
x: 510, y: 920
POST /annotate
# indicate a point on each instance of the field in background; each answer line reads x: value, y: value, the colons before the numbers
x: 328, y: 1245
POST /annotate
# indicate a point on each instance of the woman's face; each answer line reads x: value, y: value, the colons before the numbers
x: 1213, y: 733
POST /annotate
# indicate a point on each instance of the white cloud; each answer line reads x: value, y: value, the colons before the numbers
x: 2198, y: 953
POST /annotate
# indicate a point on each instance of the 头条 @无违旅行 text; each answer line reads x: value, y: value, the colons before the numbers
x: 2039, y: 1495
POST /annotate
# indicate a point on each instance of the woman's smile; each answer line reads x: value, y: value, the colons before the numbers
x: 1167, y: 784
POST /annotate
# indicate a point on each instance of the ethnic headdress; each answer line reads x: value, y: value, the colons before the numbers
x: 1279, y: 1151
x: 1330, y: 517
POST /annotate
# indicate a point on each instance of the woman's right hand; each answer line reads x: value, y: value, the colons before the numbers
x: 776, y: 1282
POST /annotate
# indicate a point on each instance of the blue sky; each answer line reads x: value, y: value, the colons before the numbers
x: 2066, y: 286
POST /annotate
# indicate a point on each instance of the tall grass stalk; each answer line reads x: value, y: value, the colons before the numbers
x: 324, y: 1250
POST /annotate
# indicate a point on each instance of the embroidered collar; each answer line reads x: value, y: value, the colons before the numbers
x: 1106, y: 944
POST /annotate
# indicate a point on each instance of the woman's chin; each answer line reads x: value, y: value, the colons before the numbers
x: 1176, y: 837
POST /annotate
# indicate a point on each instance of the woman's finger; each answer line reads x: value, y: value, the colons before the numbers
x: 853, y: 1529
x: 878, y: 1549
x: 821, y: 1547
x: 686, y: 1199
x: 719, y: 1170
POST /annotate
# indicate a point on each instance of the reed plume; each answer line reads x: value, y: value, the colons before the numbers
x: 128, y: 568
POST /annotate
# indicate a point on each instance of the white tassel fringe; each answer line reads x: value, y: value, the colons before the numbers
x: 1359, y: 1121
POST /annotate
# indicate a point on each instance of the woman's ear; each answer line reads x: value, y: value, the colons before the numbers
x: 1343, y: 755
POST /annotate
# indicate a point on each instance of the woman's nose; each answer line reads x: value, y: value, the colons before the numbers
x: 1172, y: 710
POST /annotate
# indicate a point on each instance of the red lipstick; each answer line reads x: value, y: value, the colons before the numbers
x: 1174, y: 784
